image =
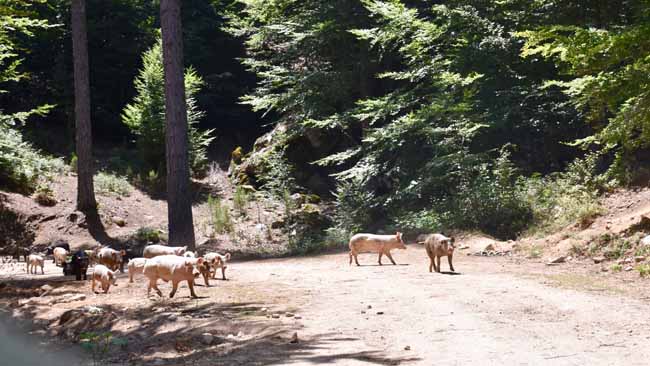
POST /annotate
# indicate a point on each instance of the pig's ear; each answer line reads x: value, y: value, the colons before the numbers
x: 188, y: 263
x: 227, y: 256
x: 200, y: 261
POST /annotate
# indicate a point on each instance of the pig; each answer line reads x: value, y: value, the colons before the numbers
x: 438, y: 245
x: 60, y: 256
x: 204, y: 267
x: 218, y: 261
x: 136, y: 266
x: 79, y: 265
x: 111, y: 258
x: 189, y: 254
x: 34, y: 261
x: 57, y: 244
x: 372, y: 243
x: 155, y: 250
x: 171, y: 268
x: 105, y: 276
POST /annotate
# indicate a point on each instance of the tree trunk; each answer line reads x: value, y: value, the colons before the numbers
x: 85, y: 189
x: 179, y: 200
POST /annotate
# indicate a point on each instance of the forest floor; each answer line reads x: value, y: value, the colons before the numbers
x: 493, y: 311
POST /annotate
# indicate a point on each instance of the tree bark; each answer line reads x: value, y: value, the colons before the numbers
x: 85, y: 188
x: 179, y: 200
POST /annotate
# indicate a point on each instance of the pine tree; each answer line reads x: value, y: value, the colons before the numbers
x: 145, y: 116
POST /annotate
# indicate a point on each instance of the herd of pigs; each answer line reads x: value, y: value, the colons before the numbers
x: 177, y: 264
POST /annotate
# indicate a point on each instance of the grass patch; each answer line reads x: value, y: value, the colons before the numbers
x: 616, y: 267
x: 112, y: 185
x: 240, y: 200
x: 644, y: 270
x: 220, y: 216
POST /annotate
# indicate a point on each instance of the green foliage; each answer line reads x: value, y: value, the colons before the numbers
x: 22, y: 166
x: 644, y: 270
x: 564, y: 198
x: 145, y: 116
x: 111, y: 184
x: 607, y: 68
x: 100, y: 344
x: 147, y: 235
x: 240, y: 200
x: 73, y: 163
x: 351, y: 208
x: 220, y: 216
x: 616, y: 267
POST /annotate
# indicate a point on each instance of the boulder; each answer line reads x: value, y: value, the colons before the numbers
x: 598, y: 259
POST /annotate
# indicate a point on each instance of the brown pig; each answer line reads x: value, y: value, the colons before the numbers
x: 218, y: 261
x: 172, y: 268
x: 438, y: 245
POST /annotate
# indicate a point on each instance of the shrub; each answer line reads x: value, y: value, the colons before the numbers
x: 147, y: 234
x: 617, y: 267
x: 110, y: 184
x: 220, y: 216
x: 644, y: 270
x: 44, y: 196
x: 73, y: 163
x: 240, y: 200
x: 145, y: 116
x: 22, y: 167
x: 352, y: 207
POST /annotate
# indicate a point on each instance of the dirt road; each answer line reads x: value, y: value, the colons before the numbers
x: 496, y: 311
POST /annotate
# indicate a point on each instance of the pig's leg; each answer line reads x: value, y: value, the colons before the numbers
x: 190, y: 284
x: 380, y: 254
x: 174, y: 288
x: 451, y: 266
x: 391, y: 258
x: 223, y: 272
x: 438, y: 263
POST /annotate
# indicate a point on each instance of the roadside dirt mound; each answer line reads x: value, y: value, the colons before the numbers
x: 120, y: 217
x: 625, y: 220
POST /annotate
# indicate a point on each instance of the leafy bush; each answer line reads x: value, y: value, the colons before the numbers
x: 220, y: 216
x: 110, y: 184
x: 147, y: 234
x: 352, y: 207
x: 22, y: 167
x: 145, y: 116
x: 617, y: 267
